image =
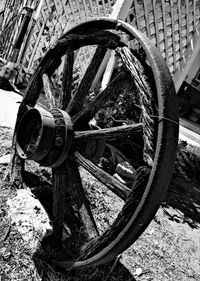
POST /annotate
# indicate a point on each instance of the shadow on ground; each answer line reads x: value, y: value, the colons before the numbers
x: 183, y: 196
x: 112, y: 271
x: 184, y: 190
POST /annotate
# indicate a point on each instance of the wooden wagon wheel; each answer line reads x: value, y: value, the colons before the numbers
x: 57, y: 138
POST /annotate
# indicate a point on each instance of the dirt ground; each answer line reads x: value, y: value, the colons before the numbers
x: 168, y: 250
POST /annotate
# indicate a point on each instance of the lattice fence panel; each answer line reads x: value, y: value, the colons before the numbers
x: 170, y: 24
x: 10, y: 20
x: 55, y: 18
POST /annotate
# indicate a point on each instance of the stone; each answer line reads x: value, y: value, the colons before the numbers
x: 5, y: 159
x: 125, y: 170
x: 119, y: 178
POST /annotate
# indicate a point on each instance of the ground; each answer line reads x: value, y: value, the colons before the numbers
x: 168, y: 250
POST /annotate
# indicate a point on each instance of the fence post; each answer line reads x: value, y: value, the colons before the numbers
x: 120, y: 11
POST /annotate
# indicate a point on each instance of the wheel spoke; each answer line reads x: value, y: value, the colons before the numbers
x: 70, y: 205
x: 16, y: 168
x: 147, y: 89
x: 67, y: 78
x: 85, y: 85
x: 48, y: 65
x: 124, y: 216
x: 48, y: 89
x: 114, y: 89
x: 77, y: 194
x: 59, y: 181
x: 113, y: 184
x: 132, y: 64
x: 119, y: 132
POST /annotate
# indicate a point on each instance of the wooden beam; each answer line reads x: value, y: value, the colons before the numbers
x: 120, y: 11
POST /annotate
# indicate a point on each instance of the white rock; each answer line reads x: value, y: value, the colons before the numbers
x: 125, y: 170
x: 29, y: 217
x: 5, y: 159
x: 138, y: 271
x: 119, y: 178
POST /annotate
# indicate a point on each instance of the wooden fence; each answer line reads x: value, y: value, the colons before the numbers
x: 170, y: 24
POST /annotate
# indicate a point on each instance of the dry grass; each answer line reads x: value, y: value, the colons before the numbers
x: 168, y: 250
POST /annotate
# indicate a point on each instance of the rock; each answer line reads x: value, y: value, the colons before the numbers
x: 30, y: 219
x: 5, y: 159
x: 125, y: 170
x: 119, y: 178
x: 138, y: 271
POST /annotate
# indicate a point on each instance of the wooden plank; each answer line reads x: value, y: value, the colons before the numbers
x: 64, y: 9
x: 120, y: 11
x: 104, y: 7
x: 180, y: 27
x: 187, y: 19
x: 47, y: 5
x: 91, y: 7
x: 194, y: 15
x: 37, y: 43
x: 165, y: 30
x: 146, y: 15
x: 97, y: 6
x: 85, y: 9
x: 67, y: 77
x: 110, y: 5
x: 172, y: 31
x: 137, y: 16
x: 78, y: 9
x: 155, y: 23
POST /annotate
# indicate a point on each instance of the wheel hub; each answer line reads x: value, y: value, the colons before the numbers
x: 44, y: 136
